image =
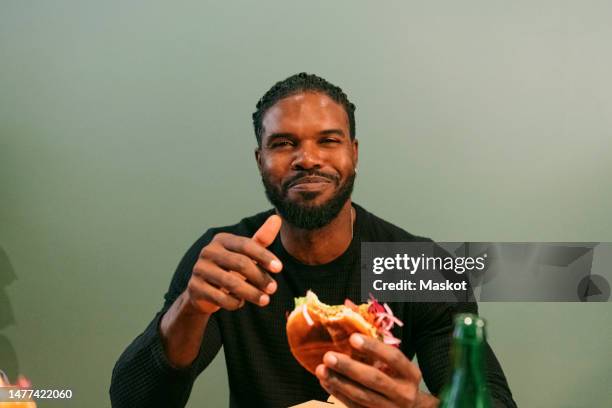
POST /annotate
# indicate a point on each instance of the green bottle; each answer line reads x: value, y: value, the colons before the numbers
x: 467, y: 386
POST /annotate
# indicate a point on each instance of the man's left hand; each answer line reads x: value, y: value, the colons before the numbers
x: 360, y: 385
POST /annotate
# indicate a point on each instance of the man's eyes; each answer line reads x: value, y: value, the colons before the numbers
x: 285, y: 143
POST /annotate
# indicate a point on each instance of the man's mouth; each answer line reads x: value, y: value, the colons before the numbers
x: 309, y: 183
x: 309, y: 180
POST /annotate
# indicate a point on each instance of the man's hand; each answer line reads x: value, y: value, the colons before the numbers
x: 234, y: 269
x: 360, y: 385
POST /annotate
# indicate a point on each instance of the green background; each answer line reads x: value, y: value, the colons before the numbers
x: 125, y: 132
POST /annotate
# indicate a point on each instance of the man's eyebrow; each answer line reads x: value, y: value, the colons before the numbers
x: 338, y: 132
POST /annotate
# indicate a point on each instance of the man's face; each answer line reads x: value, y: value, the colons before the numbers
x: 307, y: 159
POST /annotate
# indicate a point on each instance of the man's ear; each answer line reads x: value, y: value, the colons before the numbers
x: 355, y: 151
x: 258, y: 157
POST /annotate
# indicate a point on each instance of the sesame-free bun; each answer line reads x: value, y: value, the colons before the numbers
x: 314, y: 328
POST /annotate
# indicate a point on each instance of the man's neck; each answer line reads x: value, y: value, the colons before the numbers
x: 323, y: 245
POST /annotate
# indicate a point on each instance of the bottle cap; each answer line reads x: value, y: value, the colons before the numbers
x: 469, y: 328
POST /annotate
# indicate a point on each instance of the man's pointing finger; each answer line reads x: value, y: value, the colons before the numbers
x: 266, y: 234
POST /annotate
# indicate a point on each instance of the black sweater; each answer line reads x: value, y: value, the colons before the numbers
x: 262, y: 372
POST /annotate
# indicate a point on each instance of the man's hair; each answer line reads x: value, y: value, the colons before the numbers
x: 295, y: 84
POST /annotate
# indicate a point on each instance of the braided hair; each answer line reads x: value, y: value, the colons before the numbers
x: 295, y: 84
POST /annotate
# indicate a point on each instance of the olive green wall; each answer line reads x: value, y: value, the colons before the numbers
x: 125, y: 132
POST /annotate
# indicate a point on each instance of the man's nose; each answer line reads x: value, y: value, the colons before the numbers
x: 306, y: 157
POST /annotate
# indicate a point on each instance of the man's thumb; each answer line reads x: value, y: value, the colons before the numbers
x: 268, y: 231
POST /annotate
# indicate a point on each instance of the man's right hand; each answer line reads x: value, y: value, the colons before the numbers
x: 234, y: 269
x: 229, y: 271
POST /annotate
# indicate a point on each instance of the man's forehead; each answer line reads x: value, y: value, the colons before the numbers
x: 312, y: 108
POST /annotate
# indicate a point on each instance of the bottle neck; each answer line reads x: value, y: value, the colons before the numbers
x: 468, y: 360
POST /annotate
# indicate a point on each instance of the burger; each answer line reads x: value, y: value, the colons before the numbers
x: 314, y: 328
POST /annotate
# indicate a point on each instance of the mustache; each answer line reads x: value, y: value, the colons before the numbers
x: 332, y: 177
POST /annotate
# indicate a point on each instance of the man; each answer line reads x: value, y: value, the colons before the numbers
x: 236, y: 283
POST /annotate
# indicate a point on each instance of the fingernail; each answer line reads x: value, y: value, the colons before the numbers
x: 276, y: 265
x: 271, y: 287
x: 330, y: 359
x: 321, y: 371
x: 357, y: 340
x: 264, y: 299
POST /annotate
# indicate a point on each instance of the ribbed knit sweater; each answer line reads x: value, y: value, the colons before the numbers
x: 262, y: 371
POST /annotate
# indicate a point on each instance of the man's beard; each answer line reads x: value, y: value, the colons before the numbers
x: 304, y: 216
